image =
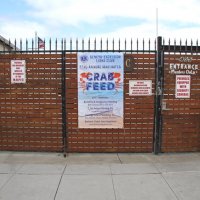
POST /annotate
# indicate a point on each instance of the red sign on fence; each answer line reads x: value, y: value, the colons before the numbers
x: 183, y: 86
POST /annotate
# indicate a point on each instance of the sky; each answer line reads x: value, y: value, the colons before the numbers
x: 171, y: 19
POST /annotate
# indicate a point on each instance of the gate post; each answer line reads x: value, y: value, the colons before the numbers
x: 64, y: 126
x: 158, y: 97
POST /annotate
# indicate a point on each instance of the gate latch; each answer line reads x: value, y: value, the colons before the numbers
x: 164, y: 105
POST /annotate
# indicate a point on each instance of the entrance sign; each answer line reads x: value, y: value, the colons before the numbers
x: 140, y: 87
x: 100, y: 90
x: 184, y: 65
x: 183, y: 86
x: 18, y: 71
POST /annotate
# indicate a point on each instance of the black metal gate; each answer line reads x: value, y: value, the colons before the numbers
x: 48, y: 103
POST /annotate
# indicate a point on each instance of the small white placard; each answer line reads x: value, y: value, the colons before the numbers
x: 18, y: 71
x: 140, y: 87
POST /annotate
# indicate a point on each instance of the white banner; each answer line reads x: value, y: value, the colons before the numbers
x: 100, y: 90
x: 18, y: 71
x: 183, y: 86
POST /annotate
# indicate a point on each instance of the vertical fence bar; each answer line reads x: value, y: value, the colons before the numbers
x: 95, y: 44
x: 158, y: 97
x: 107, y: 44
x: 149, y: 45
x: 62, y: 44
x: 143, y: 45
x: 76, y: 44
x: 71, y: 44
x: 113, y: 44
x: 33, y: 46
x: 44, y: 49
x: 125, y: 45
x: 50, y: 45
x: 56, y: 45
x: 180, y: 46
x: 82, y: 44
x: 186, y: 45
x: 191, y: 46
x: 169, y: 42
x: 65, y: 44
x: 21, y: 45
x: 64, y: 115
x: 15, y: 44
x: 174, y: 46
x: 89, y: 44
x: 38, y: 49
x: 26, y: 45
x: 131, y: 45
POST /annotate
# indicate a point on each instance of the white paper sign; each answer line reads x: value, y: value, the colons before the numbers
x: 18, y: 71
x: 140, y: 87
x: 183, y: 86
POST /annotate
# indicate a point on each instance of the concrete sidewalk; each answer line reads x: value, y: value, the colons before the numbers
x: 48, y: 176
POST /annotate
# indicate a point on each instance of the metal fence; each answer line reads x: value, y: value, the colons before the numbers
x: 127, y: 45
x: 82, y: 45
x: 43, y: 114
